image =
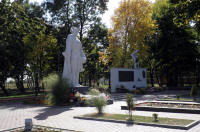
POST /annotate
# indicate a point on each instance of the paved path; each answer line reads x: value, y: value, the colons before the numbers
x: 13, y: 115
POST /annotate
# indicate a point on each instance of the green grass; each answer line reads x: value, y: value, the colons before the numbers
x: 136, y: 118
x: 18, y: 96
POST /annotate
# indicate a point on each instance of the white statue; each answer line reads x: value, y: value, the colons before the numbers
x: 135, y: 59
x: 74, y: 58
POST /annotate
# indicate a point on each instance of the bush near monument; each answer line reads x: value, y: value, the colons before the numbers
x: 98, y: 101
x: 58, y: 89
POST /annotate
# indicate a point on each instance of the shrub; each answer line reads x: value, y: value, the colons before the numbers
x: 93, y: 92
x: 130, y: 104
x: 142, y: 91
x: 98, y: 101
x: 137, y: 91
x: 177, y: 97
x: 122, y: 89
x: 194, y: 91
x: 155, y: 117
x: 58, y: 89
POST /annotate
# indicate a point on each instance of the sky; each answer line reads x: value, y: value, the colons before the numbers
x: 106, y: 17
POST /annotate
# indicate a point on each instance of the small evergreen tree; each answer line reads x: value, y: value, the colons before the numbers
x: 130, y: 105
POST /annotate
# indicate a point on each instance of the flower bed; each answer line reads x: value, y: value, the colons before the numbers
x: 167, y: 107
x: 141, y: 120
x: 170, y: 105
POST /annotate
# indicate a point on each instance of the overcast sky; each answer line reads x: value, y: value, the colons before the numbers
x: 106, y: 17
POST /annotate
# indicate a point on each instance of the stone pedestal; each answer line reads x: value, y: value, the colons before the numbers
x: 82, y: 89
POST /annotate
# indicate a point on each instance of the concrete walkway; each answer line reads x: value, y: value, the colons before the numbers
x: 12, y: 115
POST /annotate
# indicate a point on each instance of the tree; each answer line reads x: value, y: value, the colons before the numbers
x: 18, y: 21
x: 130, y: 105
x: 131, y: 23
x: 187, y: 12
x: 174, y: 48
x: 68, y: 13
x: 14, y: 25
x: 95, y: 44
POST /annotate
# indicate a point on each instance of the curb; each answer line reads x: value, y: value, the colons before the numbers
x: 178, y: 101
x: 38, y: 126
x: 164, y: 109
x: 142, y: 123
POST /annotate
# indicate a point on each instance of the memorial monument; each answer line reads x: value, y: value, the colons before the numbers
x: 130, y: 79
x: 74, y: 58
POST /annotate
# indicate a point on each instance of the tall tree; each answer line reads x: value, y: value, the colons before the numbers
x: 187, y: 12
x: 95, y: 43
x: 131, y: 23
x: 174, y: 48
x: 14, y: 26
x: 82, y: 13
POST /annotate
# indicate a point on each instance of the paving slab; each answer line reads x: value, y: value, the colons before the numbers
x: 13, y: 114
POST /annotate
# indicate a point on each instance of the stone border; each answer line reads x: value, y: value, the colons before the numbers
x: 178, y: 101
x: 163, y: 109
x: 141, y: 123
x: 36, y: 126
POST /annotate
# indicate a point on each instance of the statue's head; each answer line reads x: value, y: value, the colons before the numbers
x: 75, y: 30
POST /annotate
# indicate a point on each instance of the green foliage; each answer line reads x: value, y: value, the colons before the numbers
x: 194, y: 91
x: 155, y: 117
x: 94, y: 44
x: 23, y: 33
x: 140, y: 91
x: 58, y: 89
x: 42, y: 50
x: 97, y: 101
x: 177, y: 97
x: 130, y: 104
x: 93, y: 92
x: 187, y: 11
x: 173, y: 48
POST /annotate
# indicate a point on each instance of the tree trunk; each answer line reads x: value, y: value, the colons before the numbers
x: 151, y: 77
x: 90, y: 81
x: 19, y: 83
x: 2, y: 85
x: 172, y: 80
x: 36, y: 87
x: 157, y: 79
x: 198, y: 77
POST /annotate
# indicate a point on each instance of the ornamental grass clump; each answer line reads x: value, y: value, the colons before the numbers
x: 93, y: 92
x: 58, y: 89
x: 130, y: 105
x: 98, y: 101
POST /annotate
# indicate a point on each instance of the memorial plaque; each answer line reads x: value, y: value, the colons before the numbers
x: 126, y: 76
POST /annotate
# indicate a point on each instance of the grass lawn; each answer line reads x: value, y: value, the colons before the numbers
x: 19, y: 96
x: 136, y: 118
